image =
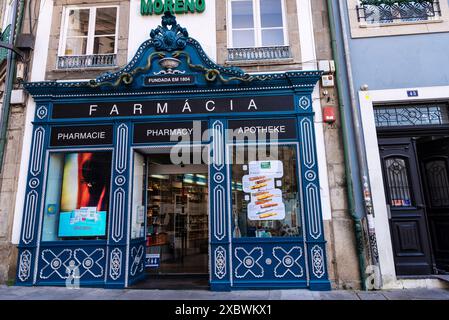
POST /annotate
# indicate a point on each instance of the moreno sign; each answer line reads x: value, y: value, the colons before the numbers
x: 150, y: 7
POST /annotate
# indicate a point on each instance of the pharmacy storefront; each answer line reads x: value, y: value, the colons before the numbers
x: 174, y: 165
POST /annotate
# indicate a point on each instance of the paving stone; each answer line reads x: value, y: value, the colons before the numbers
x: 371, y: 296
x: 275, y: 295
x: 253, y: 294
x: 101, y: 294
x: 297, y: 295
x: 339, y: 295
x: 396, y: 294
x: 428, y: 294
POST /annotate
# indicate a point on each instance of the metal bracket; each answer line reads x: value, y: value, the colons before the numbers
x: 12, y: 48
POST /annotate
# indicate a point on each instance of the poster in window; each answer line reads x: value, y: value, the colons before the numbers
x: 85, y: 194
x: 262, y: 182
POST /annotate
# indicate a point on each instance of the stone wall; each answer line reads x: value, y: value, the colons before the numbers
x: 8, y: 190
x: 342, y: 256
x: 9, y: 174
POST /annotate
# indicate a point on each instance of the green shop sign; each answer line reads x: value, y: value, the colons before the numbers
x: 149, y: 7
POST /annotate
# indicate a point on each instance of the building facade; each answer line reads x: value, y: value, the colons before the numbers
x: 101, y: 198
x: 14, y: 68
x: 392, y: 57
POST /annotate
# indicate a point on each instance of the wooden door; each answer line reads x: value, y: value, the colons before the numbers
x: 409, y: 231
x: 434, y: 161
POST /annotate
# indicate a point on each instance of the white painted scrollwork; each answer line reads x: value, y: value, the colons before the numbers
x: 24, y: 265
x: 90, y: 262
x: 318, y: 261
x: 218, y: 145
x: 313, y: 209
x: 59, y: 264
x: 219, y: 212
x: 137, y: 258
x: 220, y: 262
x: 118, y: 216
x: 29, y: 219
x: 248, y: 262
x: 37, y: 151
x: 288, y: 262
x: 304, y: 103
x: 308, y: 144
x: 42, y: 112
x: 115, y: 269
x: 122, y: 148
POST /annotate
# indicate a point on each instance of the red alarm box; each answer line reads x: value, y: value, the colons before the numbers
x: 329, y: 115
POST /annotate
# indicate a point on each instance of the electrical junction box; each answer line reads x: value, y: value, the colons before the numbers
x: 327, y: 66
x: 17, y: 96
x: 328, y: 81
x: 332, y: 66
x: 324, y: 65
x: 329, y: 115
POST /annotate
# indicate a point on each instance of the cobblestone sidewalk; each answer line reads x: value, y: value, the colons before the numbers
x: 53, y: 293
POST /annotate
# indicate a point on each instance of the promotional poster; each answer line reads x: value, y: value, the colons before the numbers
x: 85, y: 195
x: 266, y: 199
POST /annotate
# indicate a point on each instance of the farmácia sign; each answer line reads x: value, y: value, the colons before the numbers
x: 149, y: 7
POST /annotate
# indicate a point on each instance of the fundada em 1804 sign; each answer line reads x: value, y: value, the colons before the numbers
x: 173, y: 107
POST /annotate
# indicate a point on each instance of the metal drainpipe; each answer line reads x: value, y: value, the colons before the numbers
x: 360, y: 147
x: 9, y: 79
x: 358, y: 228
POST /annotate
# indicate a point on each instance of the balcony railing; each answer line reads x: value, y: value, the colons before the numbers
x: 261, y: 53
x: 390, y: 11
x: 87, y: 61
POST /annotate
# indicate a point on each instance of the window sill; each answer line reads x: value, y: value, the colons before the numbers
x: 398, y: 28
x: 399, y: 23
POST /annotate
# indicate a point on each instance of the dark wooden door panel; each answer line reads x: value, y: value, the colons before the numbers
x: 408, y: 238
x: 434, y: 161
x: 409, y: 230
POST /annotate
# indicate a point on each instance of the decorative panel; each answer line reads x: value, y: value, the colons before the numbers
x: 56, y: 264
x: 257, y: 263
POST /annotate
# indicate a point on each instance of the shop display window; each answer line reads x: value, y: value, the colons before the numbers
x: 265, y: 191
x: 77, y: 196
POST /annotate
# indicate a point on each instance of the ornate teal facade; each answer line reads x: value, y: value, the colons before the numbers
x: 118, y: 261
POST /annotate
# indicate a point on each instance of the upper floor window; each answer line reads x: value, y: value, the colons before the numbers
x: 257, y: 30
x: 387, y: 11
x: 89, y: 37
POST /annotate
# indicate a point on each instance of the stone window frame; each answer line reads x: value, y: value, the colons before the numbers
x: 53, y: 73
x: 262, y: 65
x: 257, y: 26
x: 91, y: 33
x: 365, y: 30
